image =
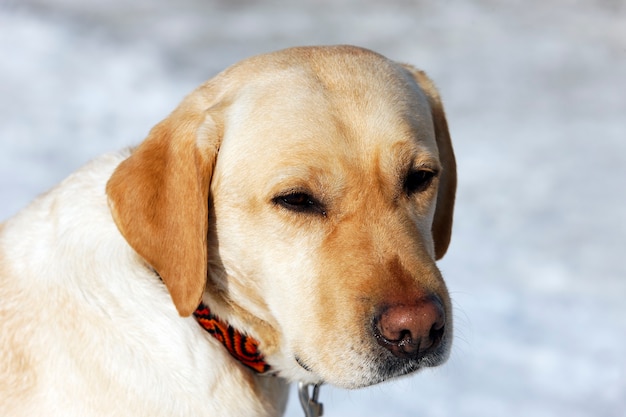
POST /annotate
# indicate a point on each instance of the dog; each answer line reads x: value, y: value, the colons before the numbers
x: 281, y: 224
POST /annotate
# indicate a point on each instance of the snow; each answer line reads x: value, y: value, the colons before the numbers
x: 535, y: 93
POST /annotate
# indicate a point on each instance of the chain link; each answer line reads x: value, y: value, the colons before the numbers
x: 309, y: 403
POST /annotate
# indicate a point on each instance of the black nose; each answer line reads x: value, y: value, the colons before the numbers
x: 409, y: 331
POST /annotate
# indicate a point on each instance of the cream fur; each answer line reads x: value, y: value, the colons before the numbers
x: 88, y: 330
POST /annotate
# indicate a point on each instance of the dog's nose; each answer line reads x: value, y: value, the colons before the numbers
x: 410, y: 331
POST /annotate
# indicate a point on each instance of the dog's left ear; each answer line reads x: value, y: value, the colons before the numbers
x: 442, y: 223
x: 159, y: 200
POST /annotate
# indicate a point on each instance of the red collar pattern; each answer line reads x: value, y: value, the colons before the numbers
x: 242, y: 347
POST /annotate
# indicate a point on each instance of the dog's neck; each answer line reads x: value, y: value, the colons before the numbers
x: 246, y: 350
x: 242, y: 347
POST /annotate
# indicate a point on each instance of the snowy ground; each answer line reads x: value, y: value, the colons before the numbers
x: 536, y: 99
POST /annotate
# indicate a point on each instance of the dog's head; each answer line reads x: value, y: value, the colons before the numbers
x: 306, y: 195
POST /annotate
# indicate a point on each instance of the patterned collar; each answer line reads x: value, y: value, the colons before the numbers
x: 242, y: 347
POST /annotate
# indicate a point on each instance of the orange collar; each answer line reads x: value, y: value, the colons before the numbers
x: 242, y: 347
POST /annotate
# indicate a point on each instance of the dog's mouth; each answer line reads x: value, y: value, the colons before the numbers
x: 303, y: 365
x: 390, y: 366
x: 382, y: 365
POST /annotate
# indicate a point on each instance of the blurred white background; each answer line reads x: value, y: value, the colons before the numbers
x: 535, y: 92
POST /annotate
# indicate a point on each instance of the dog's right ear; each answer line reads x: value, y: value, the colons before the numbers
x: 159, y: 199
x: 442, y: 222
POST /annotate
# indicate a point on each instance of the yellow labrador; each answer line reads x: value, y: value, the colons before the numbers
x: 301, y: 196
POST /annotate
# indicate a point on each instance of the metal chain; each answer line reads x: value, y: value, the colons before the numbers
x: 309, y: 403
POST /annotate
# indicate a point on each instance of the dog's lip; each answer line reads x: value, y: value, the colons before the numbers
x: 304, y: 366
x: 394, y: 367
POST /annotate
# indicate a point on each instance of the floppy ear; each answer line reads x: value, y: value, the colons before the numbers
x: 159, y: 200
x: 442, y: 223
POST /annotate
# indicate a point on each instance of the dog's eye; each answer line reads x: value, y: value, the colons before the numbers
x: 418, y: 180
x: 300, y: 202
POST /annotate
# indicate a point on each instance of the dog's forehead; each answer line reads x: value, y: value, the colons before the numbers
x: 319, y: 114
x: 341, y: 95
